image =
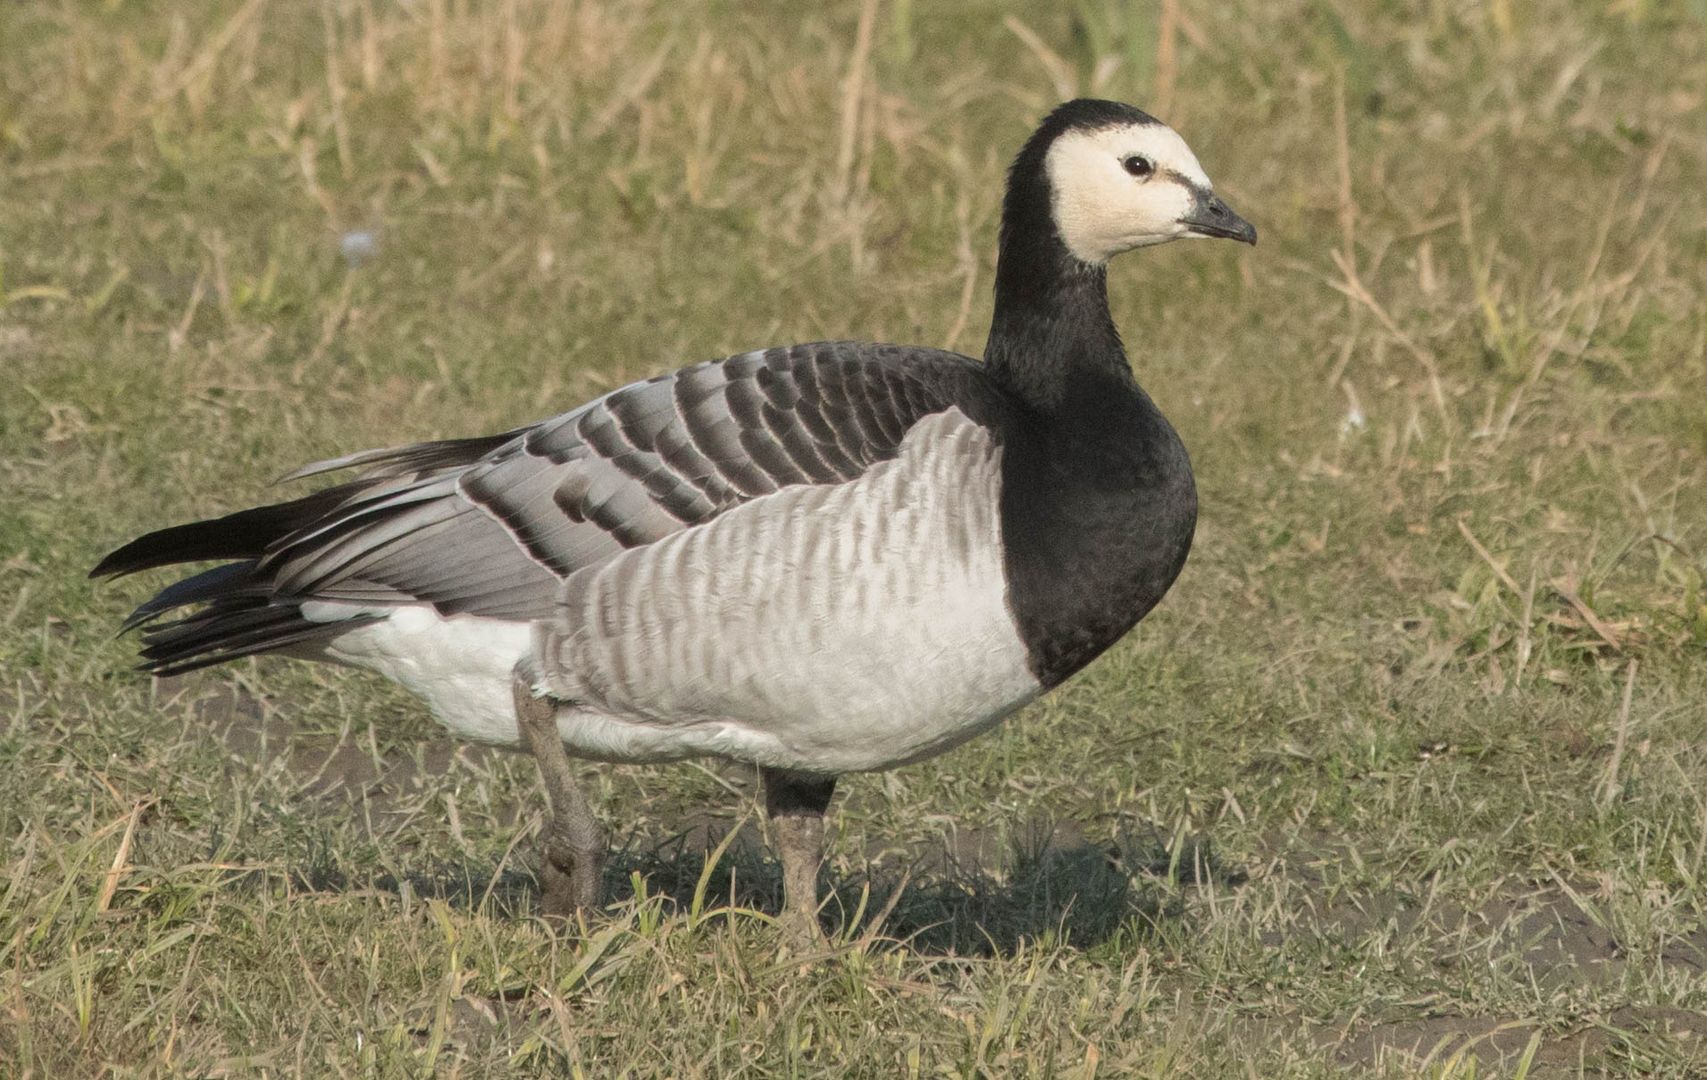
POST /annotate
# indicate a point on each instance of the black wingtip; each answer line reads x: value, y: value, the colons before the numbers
x: 120, y: 562
x: 178, y: 544
x: 244, y: 535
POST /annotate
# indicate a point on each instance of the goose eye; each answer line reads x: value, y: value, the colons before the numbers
x: 1138, y: 165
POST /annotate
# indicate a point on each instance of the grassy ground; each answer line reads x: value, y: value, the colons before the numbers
x: 1407, y: 777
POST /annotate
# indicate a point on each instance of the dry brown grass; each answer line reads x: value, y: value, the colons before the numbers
x: 1405, y: 778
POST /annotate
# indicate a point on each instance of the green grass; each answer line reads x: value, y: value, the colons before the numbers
x: 1362, y: 798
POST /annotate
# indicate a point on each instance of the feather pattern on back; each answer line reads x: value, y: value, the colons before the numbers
x: 490, y: 527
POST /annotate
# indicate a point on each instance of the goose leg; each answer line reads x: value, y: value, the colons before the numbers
x: 573, y: 867
x: 795, y: 804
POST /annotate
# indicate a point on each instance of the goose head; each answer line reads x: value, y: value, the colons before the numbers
x: 1095, y: 179
x: 1110, y: 178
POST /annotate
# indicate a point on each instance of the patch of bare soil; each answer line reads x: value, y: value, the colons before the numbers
x: 1501, y: 1043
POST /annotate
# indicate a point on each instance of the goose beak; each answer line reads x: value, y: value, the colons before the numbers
x: 1209, y: 216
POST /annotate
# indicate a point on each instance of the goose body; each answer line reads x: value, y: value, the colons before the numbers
x: 819, y: 558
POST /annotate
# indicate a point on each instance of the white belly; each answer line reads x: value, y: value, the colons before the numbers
x: 895, y: 691
x: 460, y: 666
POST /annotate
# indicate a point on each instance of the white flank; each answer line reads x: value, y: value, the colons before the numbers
x: 835, y: 628
x: 460, y: 666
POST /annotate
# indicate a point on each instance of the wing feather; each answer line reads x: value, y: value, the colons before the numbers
x: 493, y: 526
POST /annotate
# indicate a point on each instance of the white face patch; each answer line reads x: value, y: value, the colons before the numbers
x: 1102, y: 210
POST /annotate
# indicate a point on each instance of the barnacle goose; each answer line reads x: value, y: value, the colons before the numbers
x: 820, y: 559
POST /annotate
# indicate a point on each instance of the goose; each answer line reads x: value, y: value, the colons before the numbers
x: 818, y: 559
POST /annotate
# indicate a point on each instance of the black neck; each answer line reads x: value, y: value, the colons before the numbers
x: 1052, y: 327
x: 1097, y: 500
x: 1097, y: 504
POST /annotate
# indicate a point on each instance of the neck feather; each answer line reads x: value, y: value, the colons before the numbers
x: 1052, y: 327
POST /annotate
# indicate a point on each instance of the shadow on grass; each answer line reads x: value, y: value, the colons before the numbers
x: 1076, y: 894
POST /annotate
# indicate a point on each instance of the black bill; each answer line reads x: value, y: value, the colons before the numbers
x: 1212, y: 217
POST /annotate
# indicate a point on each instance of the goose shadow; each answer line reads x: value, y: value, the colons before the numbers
x: 971, y: 895
x: 1040, y: 890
